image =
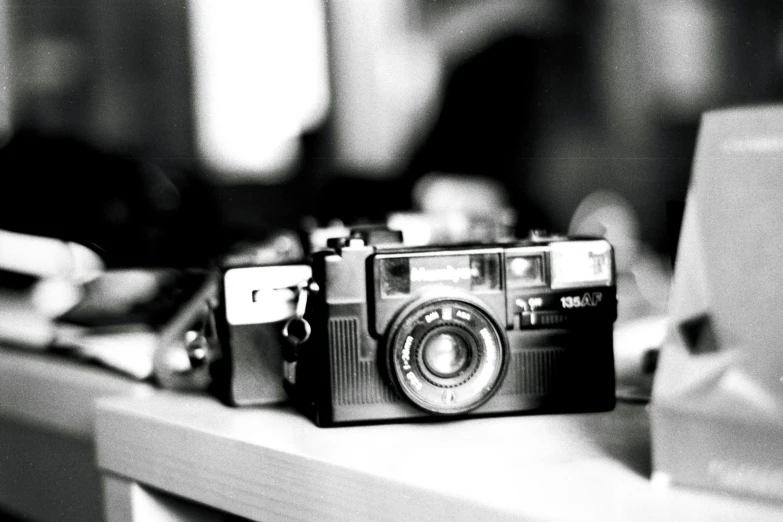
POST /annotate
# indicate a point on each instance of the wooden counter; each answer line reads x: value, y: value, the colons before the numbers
x: 273, y: 464
x: 47, y: 418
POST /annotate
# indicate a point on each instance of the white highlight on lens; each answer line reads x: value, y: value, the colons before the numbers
x: 489, y: 341
x: 445, y: 355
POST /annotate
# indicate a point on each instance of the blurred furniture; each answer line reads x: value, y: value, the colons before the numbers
x: 47, y: 456
x: 171, y: 455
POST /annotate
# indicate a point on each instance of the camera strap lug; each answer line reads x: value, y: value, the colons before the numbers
x: 297, y: 330
x: 201, y: 341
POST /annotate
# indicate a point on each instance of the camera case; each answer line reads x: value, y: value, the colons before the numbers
x: 255, y: 306
x: 457, y: 330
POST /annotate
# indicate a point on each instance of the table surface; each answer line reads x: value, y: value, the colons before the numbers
x: 57, y: 393
x: 272, y: 463
x: 48, y: 467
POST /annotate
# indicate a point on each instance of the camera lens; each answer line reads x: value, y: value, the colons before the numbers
x: 445, y: 354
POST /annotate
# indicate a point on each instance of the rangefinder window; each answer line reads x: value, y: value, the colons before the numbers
x: 525, y: 271
x: 395, y: 276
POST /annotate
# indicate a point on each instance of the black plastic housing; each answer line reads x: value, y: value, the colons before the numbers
x: 558, y: 359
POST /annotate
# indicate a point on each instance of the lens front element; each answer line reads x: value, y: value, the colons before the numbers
x: 446, y: 355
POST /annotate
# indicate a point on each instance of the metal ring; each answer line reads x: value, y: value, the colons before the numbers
x: 292, y: 339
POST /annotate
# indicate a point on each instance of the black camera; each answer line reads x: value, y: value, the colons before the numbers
x: 411, y: 332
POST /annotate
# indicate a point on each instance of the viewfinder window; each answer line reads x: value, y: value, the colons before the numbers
x: 395, y: 277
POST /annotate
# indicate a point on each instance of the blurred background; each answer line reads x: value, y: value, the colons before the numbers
x: 260, y: 112
x: 163, y: 132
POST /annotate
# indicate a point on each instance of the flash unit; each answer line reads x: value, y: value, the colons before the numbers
x: 582, y: 263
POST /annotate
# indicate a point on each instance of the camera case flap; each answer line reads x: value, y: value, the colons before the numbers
x: 256, y: 303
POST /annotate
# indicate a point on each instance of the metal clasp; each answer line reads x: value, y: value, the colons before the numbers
x: 200, y: 341
x: 298, y: 322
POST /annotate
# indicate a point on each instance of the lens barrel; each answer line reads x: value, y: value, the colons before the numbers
x: 446, y: 355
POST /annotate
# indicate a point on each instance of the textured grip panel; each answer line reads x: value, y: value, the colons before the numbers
x: 534, y: 372
x: 354, y: 381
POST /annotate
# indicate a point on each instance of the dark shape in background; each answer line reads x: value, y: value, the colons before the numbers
x: 487, y: 124
x: 132, y: 212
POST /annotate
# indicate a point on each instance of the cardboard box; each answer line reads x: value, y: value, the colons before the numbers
x: 717, y: 407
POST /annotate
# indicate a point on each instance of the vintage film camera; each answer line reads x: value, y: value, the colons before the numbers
x: 410, y: 332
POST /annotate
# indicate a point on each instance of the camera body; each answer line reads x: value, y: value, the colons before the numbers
x: 451, y: 331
